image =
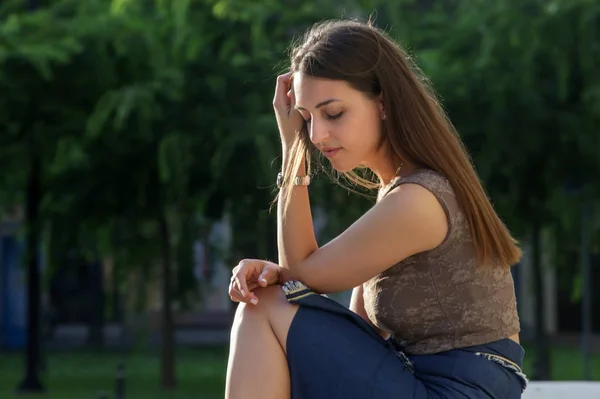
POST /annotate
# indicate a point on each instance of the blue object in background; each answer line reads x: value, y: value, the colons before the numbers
x: 13, y: 298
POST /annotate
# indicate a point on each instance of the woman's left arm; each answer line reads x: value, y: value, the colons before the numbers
x: 407, y: 221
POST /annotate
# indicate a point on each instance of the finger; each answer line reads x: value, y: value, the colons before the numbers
x: 291, y: 105
x: 237, y: 297
x: 234, y: 294
x: 292, y: 94
x: 268, y: 276
x: 249, y: 298
x: 251, y: 287
x: 240, y: 281
x: 283, y: 81
x: 281, y: 89
x: 252, y: 298
x: 262, y: 280
x: 245, y: 291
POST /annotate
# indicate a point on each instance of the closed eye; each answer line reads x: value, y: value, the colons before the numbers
x: 330, y: 117
x: 336, y: 116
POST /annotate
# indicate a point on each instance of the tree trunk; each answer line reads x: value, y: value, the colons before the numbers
x: 31, y: 381
x: 586, y: 301
x: 186, y: 278
x: 167, y: 325
x: 541, y: 370
x: 96, y: 319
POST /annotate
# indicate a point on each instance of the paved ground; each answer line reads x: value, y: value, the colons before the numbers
x: 562, y: 390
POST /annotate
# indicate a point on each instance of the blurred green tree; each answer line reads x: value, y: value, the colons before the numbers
x: 519, y: 81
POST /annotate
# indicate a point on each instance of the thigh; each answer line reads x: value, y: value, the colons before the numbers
x: 330, y: 356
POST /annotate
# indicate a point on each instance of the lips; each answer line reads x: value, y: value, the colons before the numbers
x: 330, y: 152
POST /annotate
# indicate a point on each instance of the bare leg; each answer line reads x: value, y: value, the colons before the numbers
x: 257, y: 366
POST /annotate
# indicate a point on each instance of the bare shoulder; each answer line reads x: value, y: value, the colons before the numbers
x: 416, y: 209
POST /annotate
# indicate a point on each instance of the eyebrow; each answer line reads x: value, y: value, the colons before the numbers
x: 322, y: 103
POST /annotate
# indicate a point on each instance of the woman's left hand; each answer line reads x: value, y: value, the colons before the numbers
x: 250, y: 274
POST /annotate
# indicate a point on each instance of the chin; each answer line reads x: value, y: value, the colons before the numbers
x: 343, y: 167
x: 343, y: 163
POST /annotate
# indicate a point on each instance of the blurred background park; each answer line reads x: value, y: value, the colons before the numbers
x: 138, y: 156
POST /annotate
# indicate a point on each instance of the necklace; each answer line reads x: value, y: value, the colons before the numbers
x: 399, y: 169
x: 385, y: 188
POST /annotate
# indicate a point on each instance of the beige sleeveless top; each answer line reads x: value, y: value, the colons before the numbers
x: 440, y: 299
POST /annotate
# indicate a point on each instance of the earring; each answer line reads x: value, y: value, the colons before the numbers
x: 384, y: 117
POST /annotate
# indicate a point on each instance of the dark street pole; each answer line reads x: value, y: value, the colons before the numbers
x: 31, y: 382
x: 541, y: 368
x: 586, y: 302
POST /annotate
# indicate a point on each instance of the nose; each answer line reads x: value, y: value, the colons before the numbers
x: 318, y: 131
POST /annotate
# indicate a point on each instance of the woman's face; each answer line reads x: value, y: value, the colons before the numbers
x: 343, y: 123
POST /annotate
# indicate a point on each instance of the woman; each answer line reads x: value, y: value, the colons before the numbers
x: 433, y: 311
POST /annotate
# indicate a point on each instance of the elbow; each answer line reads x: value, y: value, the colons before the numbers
x: 318, y: 283
x: 287, y: 274
x: 290, y: 262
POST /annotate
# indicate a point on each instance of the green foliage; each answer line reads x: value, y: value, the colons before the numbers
x: 144, y: 110
x: 138, y: 108
x: 521, y: 94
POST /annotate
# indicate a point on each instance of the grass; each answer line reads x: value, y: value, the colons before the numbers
x: 201, y: 373
x: 567, y: 363
x: 82, y: 375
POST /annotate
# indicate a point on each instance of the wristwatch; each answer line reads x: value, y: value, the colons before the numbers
x: 298, y: 180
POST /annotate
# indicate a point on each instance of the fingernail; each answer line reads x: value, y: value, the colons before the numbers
x: 243, y: 292
x: 264, y: 280
x: 254, y: 301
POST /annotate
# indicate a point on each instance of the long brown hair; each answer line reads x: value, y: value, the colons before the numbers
x: 416, y: 130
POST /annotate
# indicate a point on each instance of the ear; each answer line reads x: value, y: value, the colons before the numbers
x: 382, y: 113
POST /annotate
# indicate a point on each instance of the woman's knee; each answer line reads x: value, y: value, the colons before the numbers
x: 272, y: 309
x: 268, y: 297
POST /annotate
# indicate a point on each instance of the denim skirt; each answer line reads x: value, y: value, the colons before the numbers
x: 333, y: 353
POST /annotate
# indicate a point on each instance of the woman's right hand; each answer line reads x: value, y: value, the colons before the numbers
x: 289, y: 120
x: 249, y: 275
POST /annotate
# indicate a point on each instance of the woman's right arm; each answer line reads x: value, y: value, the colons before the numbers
x: 295, y: 232
x: 296, y: 241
